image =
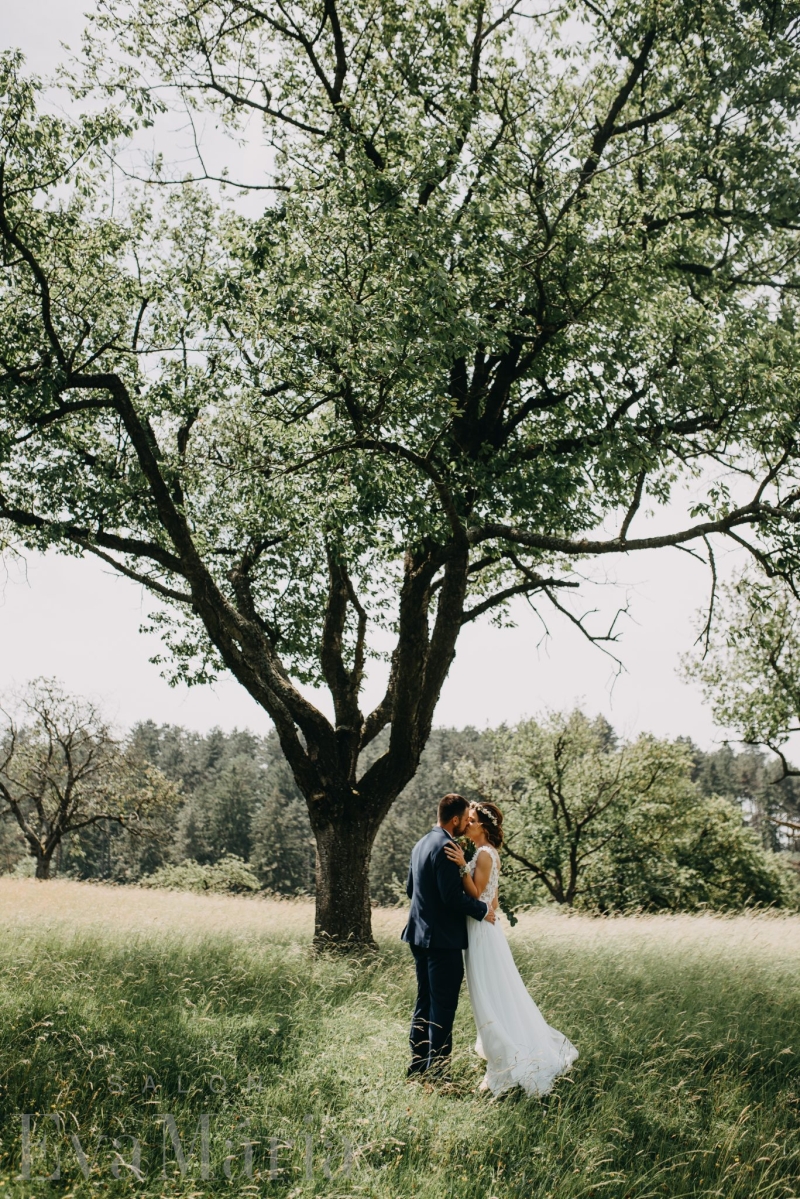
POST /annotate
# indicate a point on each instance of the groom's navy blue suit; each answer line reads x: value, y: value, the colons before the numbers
x: 437, y: 933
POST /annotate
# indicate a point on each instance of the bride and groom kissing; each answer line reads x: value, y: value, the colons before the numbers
x: 452, y: 929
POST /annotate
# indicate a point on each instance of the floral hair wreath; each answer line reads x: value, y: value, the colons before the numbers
x: 480, y: 808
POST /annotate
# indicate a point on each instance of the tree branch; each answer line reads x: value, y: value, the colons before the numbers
x: 39, y: 275
x: 747, y: 514
x: 529, y: 587
x: 88, y: 539
x: 705, y: 634
x: 151, y: 584
x: 593, y: 638
x: 605, y: 131
x: 635, y: 502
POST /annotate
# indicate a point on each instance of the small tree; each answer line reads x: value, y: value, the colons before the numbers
x: 62, y: 770
x: 722, y: 864
x: 228, y: 875
x: 610, y: 827
x: 567, y: 791
x: 681, y: 850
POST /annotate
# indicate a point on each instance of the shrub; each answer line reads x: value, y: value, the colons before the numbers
x: 231, y: 874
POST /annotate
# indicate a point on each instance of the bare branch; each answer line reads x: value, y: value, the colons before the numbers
x: 782, y: 823
x: 747, y: 514
x: 705, y: 634
x: 596, y: 639
x: 529, y: 587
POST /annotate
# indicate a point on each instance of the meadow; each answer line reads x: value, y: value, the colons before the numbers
x: 168, y: 1044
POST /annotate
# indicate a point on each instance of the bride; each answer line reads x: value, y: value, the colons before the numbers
x: 520, y: 1047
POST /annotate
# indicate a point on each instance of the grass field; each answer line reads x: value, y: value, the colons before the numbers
x: 119, y: 1006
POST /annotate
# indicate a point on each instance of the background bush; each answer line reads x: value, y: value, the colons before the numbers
x: 229, y: 875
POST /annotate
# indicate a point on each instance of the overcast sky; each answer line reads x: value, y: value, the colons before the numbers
x: 75, y: 620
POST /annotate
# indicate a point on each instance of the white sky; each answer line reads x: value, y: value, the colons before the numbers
x: 79, y: 622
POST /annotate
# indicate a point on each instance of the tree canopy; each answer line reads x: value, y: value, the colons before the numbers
x: 517, y: 276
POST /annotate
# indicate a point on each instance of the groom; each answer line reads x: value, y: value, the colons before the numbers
x: 436, y: 933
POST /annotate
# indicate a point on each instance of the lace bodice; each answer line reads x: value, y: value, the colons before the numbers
x: 490, y: 890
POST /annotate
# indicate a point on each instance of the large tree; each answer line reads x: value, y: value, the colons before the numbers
x: 516, y: 275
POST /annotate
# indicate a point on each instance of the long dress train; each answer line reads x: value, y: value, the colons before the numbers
x: 520, y: 1047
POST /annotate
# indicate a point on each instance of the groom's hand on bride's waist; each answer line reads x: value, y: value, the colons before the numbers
x: 491, y: 915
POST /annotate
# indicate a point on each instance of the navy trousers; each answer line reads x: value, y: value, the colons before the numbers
x: 439, y: 976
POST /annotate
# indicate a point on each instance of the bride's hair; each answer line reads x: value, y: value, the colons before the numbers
x: 491, y: 818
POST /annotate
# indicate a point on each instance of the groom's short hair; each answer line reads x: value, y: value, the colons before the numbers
x: 451, y: 805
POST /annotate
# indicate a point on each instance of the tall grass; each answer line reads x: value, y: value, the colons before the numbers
x: 118, y: 1006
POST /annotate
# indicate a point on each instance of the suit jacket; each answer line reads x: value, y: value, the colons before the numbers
x: 439, y: 902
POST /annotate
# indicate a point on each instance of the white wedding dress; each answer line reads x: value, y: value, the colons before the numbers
x: 520, y: 1047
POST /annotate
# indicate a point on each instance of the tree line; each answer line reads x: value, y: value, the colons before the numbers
x: 591, y: 821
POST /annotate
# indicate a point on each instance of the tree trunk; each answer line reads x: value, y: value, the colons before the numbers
x: 43, y: 866
x: 343, y: 915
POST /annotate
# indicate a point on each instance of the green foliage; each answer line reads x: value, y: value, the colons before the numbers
x: 679, y: 844
x: 229, y: 874
x: 283, y: 854
x: 220, y: 777
x: 752, y: 781
x: 695, y: 855
x: 517, y: 277
x: 614, y: 827
x: 751, y: 672
x: 510, y: 278
x: 217, y: 820
x: 12, y: 843
x: 238, y: 790
x: 687, y: 1081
